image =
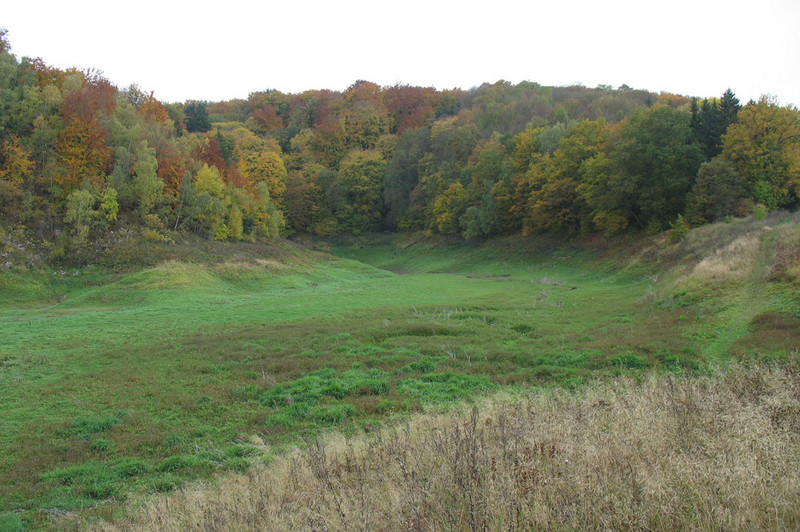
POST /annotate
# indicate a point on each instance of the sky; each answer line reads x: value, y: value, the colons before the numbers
x: 223, y: 50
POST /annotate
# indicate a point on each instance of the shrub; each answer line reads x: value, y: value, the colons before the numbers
x: 653, y: 227
x: 220, y: 232
x: 678, y: 229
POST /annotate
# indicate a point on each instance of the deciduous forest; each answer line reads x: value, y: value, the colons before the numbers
x: 80, y: 157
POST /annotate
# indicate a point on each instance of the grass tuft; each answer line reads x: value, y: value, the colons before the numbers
x: 86, y: 426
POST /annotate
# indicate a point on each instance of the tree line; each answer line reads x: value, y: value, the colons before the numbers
x: 79, y: 156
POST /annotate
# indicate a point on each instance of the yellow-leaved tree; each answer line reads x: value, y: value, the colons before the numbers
x: 15, y: 168
x: 764, y: 147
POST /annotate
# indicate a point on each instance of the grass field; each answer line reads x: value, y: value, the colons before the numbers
x: 125, y: 382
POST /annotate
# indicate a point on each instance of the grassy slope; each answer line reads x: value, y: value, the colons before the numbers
x: 136, y: 381
x: 738, y: 274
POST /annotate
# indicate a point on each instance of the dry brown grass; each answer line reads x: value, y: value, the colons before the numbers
x: 703, y: 453
x: 718, y: 252
x: 733, y: 262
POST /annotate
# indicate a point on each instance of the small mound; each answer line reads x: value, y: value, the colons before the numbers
x: 171, y: 274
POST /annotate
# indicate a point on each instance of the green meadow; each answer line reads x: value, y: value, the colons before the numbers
x: 119, y: 383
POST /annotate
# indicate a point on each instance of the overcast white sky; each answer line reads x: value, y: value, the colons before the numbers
x: 227, y: 49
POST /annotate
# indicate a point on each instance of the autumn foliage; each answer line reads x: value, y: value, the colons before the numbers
x: 498, y: 158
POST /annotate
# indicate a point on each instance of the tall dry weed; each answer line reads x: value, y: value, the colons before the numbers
x: 703, y: 453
